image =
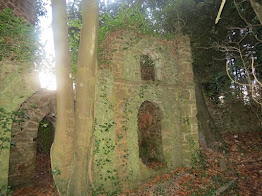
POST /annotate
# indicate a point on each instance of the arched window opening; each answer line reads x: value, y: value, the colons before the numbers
x: 147, y: 67
x: 150, y: 136
x: 44, y: 141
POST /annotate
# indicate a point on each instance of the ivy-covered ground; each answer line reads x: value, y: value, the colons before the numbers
x: 236, y: 171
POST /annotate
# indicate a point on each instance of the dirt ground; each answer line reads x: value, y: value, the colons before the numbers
x: 236, y: 170
x: 43, y: 180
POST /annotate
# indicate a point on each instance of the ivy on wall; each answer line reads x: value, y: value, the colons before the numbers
x: 104, y: 148
x: 6, y: 120
x: 18, y: 40
x: 125, y: 18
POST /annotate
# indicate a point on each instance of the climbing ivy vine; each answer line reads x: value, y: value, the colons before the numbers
x: 6, y: 120
x: 18, y: 40
x: 124, y: 18
x: 104, y: 147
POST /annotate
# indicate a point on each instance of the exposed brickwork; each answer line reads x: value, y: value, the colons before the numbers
x: 121, y: 116
x: 22, y: 165
x: 17, y: 83
x: 22, y: 8
x: 188, y: 120
x: 171, y: 89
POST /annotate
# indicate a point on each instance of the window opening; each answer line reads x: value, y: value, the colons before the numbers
x: 147, y: 68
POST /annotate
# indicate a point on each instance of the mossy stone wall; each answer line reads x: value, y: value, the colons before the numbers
x: 120, y: 94
x: 22, y: 166
x: 17, y: 82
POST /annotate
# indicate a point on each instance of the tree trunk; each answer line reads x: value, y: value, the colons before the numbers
x: 62, y: 148
x: 257, y: 7
x: 207, y: 130
x: 85, y: 99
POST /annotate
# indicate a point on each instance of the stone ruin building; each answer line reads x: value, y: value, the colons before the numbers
x: 23, y: 151
x: 145, y: 122
x: 17, y: 82
x: 145, y: 110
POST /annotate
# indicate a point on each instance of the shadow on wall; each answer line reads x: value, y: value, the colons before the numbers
x: 44, y: 141
x: 149, y: 135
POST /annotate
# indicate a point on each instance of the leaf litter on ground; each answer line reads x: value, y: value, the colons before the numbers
x: 240, y: 173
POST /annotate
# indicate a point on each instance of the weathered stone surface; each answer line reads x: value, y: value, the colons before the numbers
x: 17, y: 83
x: 25, y: 8
x: 22, y: 167
x: 120, y: 94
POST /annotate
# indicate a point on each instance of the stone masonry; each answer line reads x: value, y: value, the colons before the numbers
x: 22, y: 8
x: 126, y: 83
x: 17, y: 82
x: 22, y: 165
x: 145, y: 114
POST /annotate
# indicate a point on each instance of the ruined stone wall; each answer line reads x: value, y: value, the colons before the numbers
x: 120, y: 93
x: 22, y: 8
x: 187, y: 101
x: 22, y: 165
x: 18, y: 81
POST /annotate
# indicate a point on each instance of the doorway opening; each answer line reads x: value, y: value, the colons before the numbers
x: 150, y: 136
x: 44, y: 141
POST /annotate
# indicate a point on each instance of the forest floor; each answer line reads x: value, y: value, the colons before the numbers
x: 235, y: 171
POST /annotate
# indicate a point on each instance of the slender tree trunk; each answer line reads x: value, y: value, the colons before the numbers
x: 257, y: 7
x: 85, y: 98
x: 62, y: 148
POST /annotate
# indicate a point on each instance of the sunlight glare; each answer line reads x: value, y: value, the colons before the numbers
x: 46, y: 76
x: 47, y: 80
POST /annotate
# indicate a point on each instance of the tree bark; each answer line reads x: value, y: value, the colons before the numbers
x: 62, y: 148
x: 85, y: 99
x: 257, y: 7
x: 208, y: 132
